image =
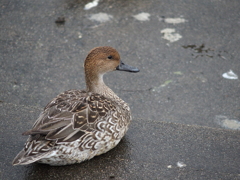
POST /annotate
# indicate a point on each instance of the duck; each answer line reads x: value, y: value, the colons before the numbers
x: 78, y: 125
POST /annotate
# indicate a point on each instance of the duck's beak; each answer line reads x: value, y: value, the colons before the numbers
x: 125, y: 67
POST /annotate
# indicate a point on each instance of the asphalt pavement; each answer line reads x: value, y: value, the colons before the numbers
x: 184, y: 101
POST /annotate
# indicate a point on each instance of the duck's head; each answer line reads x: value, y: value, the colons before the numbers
x: 101, y: 60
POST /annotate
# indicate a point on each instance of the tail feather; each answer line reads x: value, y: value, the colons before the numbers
x: 22, y: 158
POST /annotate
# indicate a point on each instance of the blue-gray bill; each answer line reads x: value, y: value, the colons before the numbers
x: 125, y: 67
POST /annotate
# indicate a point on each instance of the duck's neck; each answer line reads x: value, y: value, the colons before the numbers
x: 96, y: 84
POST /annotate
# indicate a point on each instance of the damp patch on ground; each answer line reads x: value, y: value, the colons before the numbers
x: 203, y: 51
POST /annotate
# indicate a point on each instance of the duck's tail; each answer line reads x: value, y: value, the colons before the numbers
x: 23, y: 159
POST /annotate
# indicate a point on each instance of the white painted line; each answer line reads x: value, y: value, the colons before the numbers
x: 175, y: 20
x: 142, y: 16
x: 181, y: 164
x: 91, y: 5
x: 229, y: 75
x: 170, y: 35
x: 227, y: 123
x: 101, y: 17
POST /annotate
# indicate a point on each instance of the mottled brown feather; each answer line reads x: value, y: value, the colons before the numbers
x: 58, y: 121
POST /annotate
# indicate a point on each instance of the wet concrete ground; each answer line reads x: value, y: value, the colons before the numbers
x: 183, y: 109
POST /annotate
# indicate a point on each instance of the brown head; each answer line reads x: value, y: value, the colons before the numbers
x: 101, y: 60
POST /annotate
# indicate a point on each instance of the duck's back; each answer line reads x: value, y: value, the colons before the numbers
x: 75, y: 126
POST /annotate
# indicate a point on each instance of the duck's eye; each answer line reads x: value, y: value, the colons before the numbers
x: 110, y: 57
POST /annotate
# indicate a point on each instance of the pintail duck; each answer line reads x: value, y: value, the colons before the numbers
x: 80, y: 124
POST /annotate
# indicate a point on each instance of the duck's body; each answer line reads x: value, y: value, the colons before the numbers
x: 78, y: 125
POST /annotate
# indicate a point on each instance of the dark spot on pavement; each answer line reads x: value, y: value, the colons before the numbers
x: 60, y: 20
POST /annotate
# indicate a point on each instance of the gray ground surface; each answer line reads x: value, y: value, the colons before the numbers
x: 183, y: 109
